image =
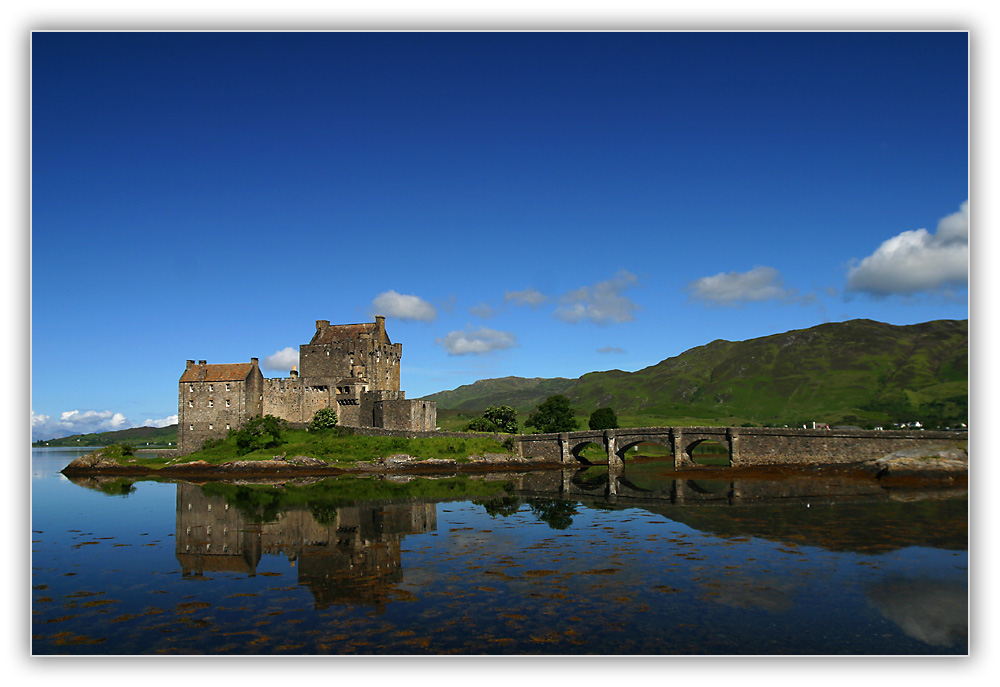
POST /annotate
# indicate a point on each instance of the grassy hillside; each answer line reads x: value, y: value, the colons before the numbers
x: 137, y: 436
x: 859, y: 372
x: 517, y: 392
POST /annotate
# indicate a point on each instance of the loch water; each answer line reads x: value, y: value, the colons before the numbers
x: 548, y: 562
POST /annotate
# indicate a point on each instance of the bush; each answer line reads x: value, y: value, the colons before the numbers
x: 481, y: 424
x: 211, y: 443
x: 553, y: 415
x: 118, y: 450
x: 259, y: 433
x: 325, y: 418
x: 504, y: 418
x: 604, y: 418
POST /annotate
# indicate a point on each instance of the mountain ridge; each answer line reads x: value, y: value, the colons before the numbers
x: 861, y: 372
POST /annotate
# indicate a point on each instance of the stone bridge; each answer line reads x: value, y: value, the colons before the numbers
x: 746, y: 446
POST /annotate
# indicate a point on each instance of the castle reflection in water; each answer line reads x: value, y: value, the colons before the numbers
x: 352, y: 558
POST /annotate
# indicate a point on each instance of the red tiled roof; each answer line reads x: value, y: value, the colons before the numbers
x: 229, y: 372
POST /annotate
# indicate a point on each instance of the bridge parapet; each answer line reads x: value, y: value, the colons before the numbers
x: 746, y: 445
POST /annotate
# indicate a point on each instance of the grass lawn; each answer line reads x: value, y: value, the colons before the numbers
x: 331, y: 446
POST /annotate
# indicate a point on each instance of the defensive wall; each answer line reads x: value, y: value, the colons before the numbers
x: 745, y: 446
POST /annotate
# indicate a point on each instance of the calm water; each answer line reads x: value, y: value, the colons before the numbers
x: 549, y: 564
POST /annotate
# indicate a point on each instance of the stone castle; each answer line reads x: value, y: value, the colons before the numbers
x: 353, y: 368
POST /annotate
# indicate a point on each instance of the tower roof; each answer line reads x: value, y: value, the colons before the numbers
x: 349, y: 332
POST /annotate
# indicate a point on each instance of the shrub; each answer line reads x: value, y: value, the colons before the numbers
x: 504, y: 418
x: 480, y: 424
x: 604, y: 418
x: 118, y: 450
x: 259, y: 433
x: 325, y: 418
x: 553, y: 415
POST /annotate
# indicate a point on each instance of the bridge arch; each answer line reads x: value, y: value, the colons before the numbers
x: 626, y: 444
x: 577, y: 447
x: 725, y: 451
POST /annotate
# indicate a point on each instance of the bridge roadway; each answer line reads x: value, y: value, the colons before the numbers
x: 746, y: 446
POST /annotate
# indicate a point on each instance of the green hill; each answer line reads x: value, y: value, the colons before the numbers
x: 859, y: 372
x: 137, y: 436
x: 518, y: 392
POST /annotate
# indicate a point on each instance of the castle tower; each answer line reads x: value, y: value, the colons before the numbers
x: 212, y: 399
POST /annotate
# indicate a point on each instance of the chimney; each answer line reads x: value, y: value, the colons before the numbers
x: 380, y: 322
x: 189, y: 365
x: 294, y: 373
x: 253, y: 361
x: 202, y: 362
x: 322, y: 324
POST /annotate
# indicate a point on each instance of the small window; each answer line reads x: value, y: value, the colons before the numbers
x: 190, y: 404
x: 211, y: 403
x: 191, y: 427
x: 227, y: 386
x: 211, y: 426
x: 227, y: 426
x: 211, y: 387
x: 190, y: 387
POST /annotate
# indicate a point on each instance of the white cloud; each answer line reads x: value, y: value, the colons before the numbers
x: 392, y: 304
x: 477, y: 342
x: 483, y: 310
x: 161, y: 422
x: 917, y: 261
x: 76, y: 422
x: 86, y: 422
x: 736, y: 288
x: 529, y: 296
x: 601, y: 303
x: 283, y: 360
x: 610, y: 349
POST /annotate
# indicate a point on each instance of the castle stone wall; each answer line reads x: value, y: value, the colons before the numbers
x: 352, y: 368
x: 209, y: 405
x: 295, y: 399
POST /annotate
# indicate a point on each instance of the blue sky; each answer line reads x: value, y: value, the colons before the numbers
x: 529, y: 204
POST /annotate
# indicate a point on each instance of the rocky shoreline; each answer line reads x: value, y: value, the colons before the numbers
x: 939, y: 465
x: 96, y: 464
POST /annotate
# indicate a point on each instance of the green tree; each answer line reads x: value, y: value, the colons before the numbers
x: 604, y: 418
x: 325, y: 418
x: 504, y: 418
x: 554, y: 414
x: 259, y: 433
x: 481, y: 424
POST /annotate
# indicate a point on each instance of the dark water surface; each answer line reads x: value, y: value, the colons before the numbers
x: 538, y: 563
